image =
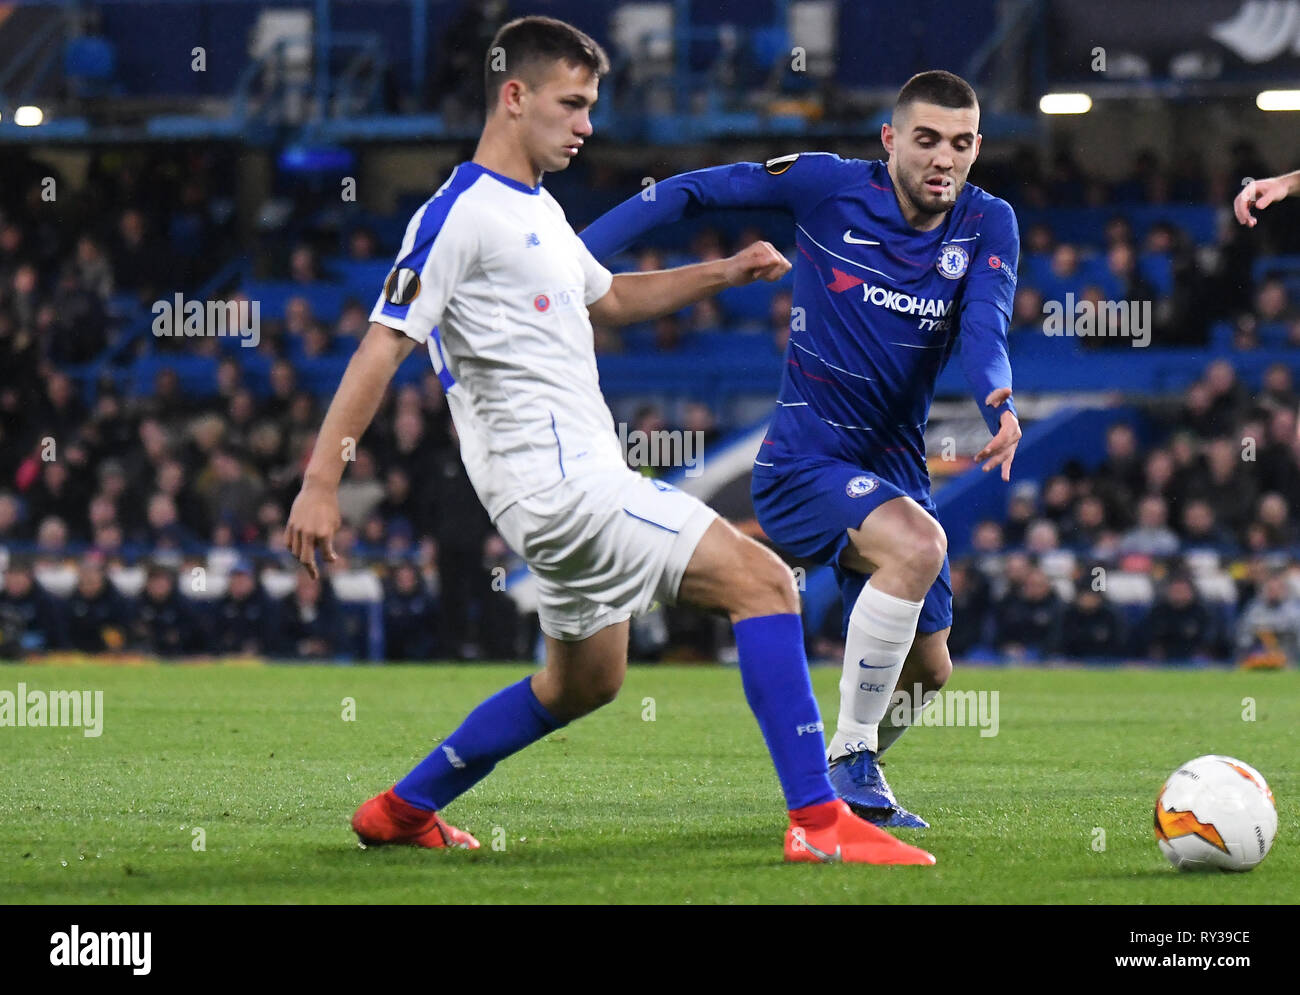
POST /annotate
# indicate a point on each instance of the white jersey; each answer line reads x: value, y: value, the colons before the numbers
x: 495, y: 282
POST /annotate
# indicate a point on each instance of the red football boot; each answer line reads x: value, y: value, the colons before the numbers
x: 830, y: 832
x: 387, y: 819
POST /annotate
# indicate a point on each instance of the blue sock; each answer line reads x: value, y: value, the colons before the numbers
x: 774, y: 672
x: 503, y: 724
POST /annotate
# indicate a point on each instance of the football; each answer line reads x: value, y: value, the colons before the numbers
x: 1215, y: 813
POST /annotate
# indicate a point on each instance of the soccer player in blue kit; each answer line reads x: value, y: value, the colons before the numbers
x: 897, y: 262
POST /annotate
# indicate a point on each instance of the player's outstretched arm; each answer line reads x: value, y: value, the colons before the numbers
x: 790, y: 183
x: 314, y: 518
x: 1260, y: 193
x: 634, y: 297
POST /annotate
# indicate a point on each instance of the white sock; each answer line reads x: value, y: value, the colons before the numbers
x: 907, y: 709
x: 881, y: 629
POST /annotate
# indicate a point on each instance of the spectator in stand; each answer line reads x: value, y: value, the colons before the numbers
x: 1201, y: 530
x: 1197, y: 413
x: 1269, y: 627
x: 1278, y: 390
x: 461, y: 530
x: 30, y: 620
x: 1121, y: 474
x: 354, y: 322
x: 310, y: 624
x: 284, y: 386
x: 1152, y: 535
x: 363, y: 246
x: 1091, y: 629
x: 503, y: 636
x: 987, y: 539
x: 1229, y: 398
x: 1042, y: 537
x: 11, y: 519
x: 140, y: 262
x: 410, y: 617
x: 98, y: 617
x: 1123, y: 280
x: 1189, y: 465
x: 1275, y: 516
x: 1279, y: 456
x: 52, y: 536
x: 1228, y: 484
x: 164, y: 623
x: 60, y: 494
x: 1085, y: 528
x: 228, y: 488
x: 1028, y: 618
x: 1158, y: 474
x: 1021, y: 511
x: 360, y: 491
x: 1180, y: 626
x: 246, y: 618
x: 304, y: 266
x: 1272, y: 303
x: 93, y: 271
x: 1063, y: 276
x: 1058, y: 500
x: 971, y: 601
x: 61, y: 413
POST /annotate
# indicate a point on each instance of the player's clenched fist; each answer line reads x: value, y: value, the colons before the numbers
x: 313, y: 520
x: 1260, y: 193
x: 757, y: 261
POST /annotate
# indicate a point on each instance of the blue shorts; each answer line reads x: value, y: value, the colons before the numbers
x: 807, y: 507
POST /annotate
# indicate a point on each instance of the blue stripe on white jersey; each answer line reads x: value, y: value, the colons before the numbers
x: 425, y: 226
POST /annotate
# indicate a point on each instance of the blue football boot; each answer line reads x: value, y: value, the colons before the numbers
x: 859, y: 780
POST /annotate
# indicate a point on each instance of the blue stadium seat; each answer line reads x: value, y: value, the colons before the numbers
x: 326, y: 299
x: 752, y: 302
x: 89, y: 65
x: 1158, y: 270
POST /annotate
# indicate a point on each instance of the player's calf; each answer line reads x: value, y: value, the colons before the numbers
x: 583, y: 675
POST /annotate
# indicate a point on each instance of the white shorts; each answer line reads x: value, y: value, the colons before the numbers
x: 604, y: 546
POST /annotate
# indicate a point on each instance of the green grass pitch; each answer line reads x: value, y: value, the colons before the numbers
x: 614, y: 808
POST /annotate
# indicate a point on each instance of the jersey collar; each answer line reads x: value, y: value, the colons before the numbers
x: 513, y: 184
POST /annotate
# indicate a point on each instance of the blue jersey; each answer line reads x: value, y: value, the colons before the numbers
x: 878, y: 305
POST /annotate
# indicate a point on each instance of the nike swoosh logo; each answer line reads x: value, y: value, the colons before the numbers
x: 822, y: 854
x: 868, y: 666
x: 848, y: 237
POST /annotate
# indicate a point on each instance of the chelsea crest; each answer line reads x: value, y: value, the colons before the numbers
x: 953, y: 261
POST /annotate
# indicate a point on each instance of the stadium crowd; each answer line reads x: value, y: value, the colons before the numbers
x: 165, y: 480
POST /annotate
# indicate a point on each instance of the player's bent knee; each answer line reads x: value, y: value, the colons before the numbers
x: 924, y: 549
x: 765, y: 585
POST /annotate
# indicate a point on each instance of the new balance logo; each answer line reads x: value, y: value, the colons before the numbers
x: 852, y: 240
x: 531, y: 239
x: 453, y: 758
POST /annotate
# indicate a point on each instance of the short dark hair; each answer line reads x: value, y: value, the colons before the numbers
x: 938, y: 87
x: 521, y: 46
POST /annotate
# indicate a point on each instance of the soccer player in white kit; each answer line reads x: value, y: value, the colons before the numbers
x: 493, y: 281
